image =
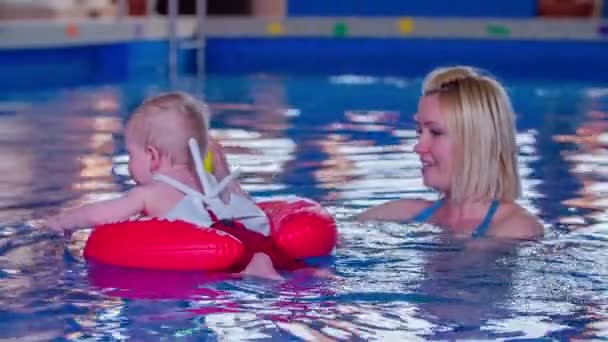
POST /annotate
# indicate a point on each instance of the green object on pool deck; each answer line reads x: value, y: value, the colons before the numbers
x: 340, y: 30
x: 498, y: 30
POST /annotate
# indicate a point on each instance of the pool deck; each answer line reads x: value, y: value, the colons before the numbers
x: 42, y: 33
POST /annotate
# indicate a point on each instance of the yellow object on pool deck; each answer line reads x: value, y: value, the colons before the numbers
x: 208, y: 162
x: 405, y: 25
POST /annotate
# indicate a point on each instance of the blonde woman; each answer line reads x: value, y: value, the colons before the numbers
x: 466, y: 144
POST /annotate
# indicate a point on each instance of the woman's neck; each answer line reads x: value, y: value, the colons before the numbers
x: 462, y: 215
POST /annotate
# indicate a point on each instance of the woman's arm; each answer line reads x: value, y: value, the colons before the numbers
x: 398, y: 211
x: 519, y: 224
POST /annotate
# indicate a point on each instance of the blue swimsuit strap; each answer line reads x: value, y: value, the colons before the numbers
x: 479, y: 231
x: 426, y: 213
x: 483, y: 227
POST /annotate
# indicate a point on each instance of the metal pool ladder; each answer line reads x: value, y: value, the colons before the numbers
x: 197, y: 42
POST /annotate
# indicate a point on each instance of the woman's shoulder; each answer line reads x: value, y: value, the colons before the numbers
x: 398, y: 210
x: 516, y: 222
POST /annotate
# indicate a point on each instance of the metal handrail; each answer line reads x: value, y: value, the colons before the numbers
x: 172, y: 13
x: 201, y: 15
x: 122, y: 9
x: 199, y: 37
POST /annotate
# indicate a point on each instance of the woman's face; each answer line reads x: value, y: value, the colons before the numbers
x: 435, y: 144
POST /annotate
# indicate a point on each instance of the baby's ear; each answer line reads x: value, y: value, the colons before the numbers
x: 154, y: 157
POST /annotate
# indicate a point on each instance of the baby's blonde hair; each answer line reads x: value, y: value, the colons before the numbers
x: 167, y: 121
x: 480, y: 115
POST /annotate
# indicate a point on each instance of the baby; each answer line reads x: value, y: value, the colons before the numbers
x: 164, y: 137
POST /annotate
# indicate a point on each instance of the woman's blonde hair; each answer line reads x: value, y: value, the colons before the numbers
x: 167, y: 121
x: 480, y: 115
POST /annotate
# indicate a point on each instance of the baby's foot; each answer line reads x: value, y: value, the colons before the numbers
x: 261, y: 266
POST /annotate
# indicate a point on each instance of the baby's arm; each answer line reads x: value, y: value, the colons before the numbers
x: 93, y: 214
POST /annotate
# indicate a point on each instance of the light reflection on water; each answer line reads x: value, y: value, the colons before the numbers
x: 348, y: 143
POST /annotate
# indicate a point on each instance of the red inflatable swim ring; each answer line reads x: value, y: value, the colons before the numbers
x: 300, y: 228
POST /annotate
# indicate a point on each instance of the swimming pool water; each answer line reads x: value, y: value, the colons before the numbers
x: 345, y: 141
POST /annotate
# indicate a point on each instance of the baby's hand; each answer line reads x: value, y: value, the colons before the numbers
x: 220, y: 164
x: 221, y: 170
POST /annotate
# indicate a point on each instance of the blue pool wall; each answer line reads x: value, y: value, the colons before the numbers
x: 552, y: 60
x: 418, y: 8
x: 422, y: 8
x: 87, y: 64
x: 576, y: 60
